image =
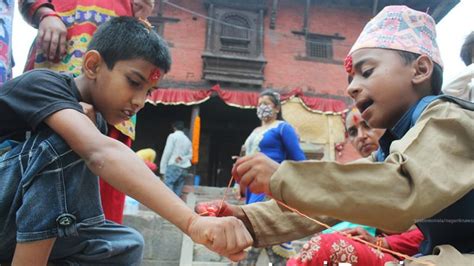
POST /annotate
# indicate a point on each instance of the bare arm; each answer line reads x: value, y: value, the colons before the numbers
x: 120, y: 167
x: 33, y: 253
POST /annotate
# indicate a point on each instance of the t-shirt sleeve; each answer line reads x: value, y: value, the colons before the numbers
x: 40, y: 94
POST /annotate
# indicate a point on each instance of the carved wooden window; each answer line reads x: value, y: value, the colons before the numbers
x: 319, y: 47
x: 235, y: 34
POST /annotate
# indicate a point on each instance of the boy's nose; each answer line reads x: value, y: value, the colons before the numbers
x: 353, y: 89
x: 138, y: 102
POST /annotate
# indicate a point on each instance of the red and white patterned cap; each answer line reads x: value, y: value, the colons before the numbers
x: 400, y: 28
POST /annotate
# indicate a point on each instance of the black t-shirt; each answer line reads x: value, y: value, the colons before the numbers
x: 30, y: 98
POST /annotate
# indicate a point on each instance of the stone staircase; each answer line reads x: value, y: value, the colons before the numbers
x: 165, y: 245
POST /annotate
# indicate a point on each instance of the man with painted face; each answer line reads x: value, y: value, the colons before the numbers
x: 278, y: 140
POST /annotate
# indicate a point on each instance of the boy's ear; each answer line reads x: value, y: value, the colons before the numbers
x: 91, y: 64
x: 423, y: 67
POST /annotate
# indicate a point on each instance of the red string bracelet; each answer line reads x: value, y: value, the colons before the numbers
x: 52, y: 14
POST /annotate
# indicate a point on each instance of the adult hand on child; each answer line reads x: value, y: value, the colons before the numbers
x: 254, y: 171
x: 143, y: 8
x: 226, y: 236
x: 52, y: 36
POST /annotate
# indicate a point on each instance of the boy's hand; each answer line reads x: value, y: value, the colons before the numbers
x: 254, y: 171
x: 52, y: 37
x: 89, y: 111
x: 211, y: 208
x: 143, y: 8
x: 226, y: 236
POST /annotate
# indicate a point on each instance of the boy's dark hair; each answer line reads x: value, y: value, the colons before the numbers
x: 275, y: 98
x: 466, y: 49
x: 126, y: 38
x: 436, y: 77
x: 179, y: 125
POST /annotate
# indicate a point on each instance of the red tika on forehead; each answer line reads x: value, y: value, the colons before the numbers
x: 155, y: 75
x: 356, y: 119
x: 348, y: 65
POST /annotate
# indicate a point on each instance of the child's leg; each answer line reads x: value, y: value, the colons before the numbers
x: 33, y: 253
x: 51, y: 193
x: 109, y: 243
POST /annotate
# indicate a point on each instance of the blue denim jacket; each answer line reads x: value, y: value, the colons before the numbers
x: 46, y: 190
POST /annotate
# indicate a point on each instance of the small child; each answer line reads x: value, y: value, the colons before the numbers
x: 49, y: 200
x: 423, y: 172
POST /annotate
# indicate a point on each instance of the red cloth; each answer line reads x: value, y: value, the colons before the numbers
x: 407, y: 243
x: 113, y: 201
x: 241, y: 99
x: 334, y: 249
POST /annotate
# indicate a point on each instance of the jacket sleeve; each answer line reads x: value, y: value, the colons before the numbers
x: 427, y: 170
x: 290, y: 226
x: 410, y: 184
x: 28, y: 10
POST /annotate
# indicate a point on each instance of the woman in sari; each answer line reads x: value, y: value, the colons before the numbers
x: 278, y: 140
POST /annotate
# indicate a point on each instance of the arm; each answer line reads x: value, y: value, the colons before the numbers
x: 290, y: 226
x: 51, y: 30
x: 30, y: 10
x: 120, y: 167
x: 166, y: 154
x: 33, y: 253
x: 407, y: 243
x: 189, y: 154
x: 260, y: 221
x: 291, y: 143
x: 391, y: 195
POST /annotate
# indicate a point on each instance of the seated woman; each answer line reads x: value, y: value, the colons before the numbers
x: 334, y: 248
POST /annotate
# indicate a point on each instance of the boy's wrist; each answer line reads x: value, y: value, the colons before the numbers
x: 41, y: 13
x: 189, y: 223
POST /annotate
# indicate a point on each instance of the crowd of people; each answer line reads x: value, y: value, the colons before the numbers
x: 410, y: 193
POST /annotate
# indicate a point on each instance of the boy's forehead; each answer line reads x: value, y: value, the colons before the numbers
x: 353, y: 118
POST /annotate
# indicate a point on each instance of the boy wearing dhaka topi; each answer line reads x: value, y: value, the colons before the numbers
x: 423, y: 172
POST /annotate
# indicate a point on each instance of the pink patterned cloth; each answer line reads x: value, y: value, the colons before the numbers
x: 401, y: 28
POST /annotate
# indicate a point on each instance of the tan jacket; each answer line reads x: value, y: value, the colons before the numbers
x: 431, y: 167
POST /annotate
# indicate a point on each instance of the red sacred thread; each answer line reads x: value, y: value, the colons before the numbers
x: 330, y: 228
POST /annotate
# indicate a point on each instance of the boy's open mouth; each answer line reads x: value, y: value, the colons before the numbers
x: 128, y: 113
x: 364, y: 104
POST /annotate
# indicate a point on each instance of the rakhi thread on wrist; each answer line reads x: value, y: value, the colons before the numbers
x: 50, y: 14
x: 400, y: 255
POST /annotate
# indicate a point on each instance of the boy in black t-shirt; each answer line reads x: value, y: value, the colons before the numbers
x: 49, y: 200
